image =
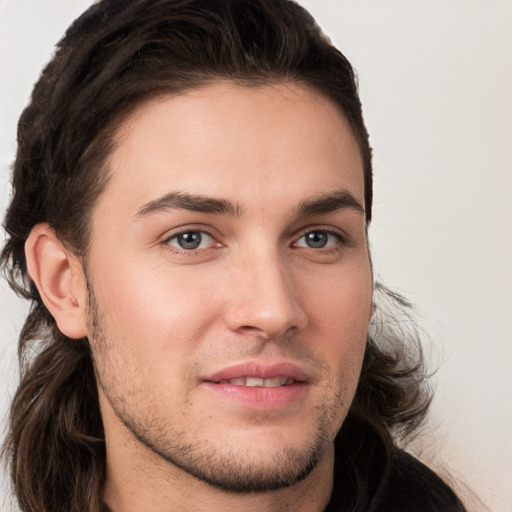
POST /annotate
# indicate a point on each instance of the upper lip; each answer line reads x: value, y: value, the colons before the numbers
x: 259, y: 370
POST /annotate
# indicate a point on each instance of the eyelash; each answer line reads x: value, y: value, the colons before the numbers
x: 189, y: 252
x: 340, y: 240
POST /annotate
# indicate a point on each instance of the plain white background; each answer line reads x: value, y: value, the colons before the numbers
x: 436, y: 84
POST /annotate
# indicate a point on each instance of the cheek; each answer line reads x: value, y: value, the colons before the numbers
x: 339, y: 312
x: 341, y: 303
x: 153, y: 306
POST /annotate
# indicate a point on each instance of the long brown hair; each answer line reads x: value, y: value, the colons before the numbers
x: 116, y: 55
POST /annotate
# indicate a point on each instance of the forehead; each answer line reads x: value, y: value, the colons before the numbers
x: 236, y: 142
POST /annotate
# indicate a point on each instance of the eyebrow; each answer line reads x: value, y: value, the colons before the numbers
x: 192, y: 202
x: 323, y: 204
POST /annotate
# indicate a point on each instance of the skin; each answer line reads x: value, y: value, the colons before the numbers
x: 162, y: 319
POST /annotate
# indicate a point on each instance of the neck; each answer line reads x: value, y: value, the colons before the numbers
x: 155, y: 488
x: 310, y: 495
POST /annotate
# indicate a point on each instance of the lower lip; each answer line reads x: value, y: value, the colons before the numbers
x: 260, y: 398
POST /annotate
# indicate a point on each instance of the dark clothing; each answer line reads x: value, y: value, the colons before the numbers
x: 409, y: 486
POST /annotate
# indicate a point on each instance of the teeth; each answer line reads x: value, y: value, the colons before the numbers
x: 272, y: 383
x: 254, y: 381
x: 258, y: 382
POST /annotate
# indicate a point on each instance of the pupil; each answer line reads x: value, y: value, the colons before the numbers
x: 189, y: 240
x: 316, y: 240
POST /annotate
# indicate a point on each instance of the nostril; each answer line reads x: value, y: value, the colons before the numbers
x: 251, y: 329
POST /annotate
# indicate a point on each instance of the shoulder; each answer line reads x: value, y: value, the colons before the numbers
x: 412, y: 486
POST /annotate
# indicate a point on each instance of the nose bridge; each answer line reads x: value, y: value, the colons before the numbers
x: 263, y: 298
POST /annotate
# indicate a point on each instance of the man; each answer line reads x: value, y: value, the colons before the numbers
x: 192, y: 192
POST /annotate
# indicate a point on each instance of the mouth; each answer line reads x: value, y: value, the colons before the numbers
x: 260, y: 374
x: 253, y: 382
x: 260, y: 386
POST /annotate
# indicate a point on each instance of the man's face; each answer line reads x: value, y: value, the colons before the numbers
x: 230, y: 283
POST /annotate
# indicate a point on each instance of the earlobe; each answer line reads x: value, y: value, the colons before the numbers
x: 59, y: 278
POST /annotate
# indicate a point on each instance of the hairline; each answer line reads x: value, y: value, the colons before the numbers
x: 111, y: 136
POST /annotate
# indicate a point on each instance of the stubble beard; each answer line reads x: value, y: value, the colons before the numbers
x: 237, y: 471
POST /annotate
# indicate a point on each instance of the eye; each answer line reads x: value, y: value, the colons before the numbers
x: 319, y: 239
x: 191, y: 240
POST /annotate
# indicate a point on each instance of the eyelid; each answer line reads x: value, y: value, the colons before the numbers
x: 190, y: 228
x: 330, y: 230
x: 205, y: 239
x: 186, y: 228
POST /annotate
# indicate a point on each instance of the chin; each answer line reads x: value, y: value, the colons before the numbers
x: 258, y: 458
x: 250, y: 471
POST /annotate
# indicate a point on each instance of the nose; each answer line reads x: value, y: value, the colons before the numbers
x: 264, y: 299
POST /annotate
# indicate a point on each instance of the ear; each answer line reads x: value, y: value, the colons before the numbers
x: 59, y: 278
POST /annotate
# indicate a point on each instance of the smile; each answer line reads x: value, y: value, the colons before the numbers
x: 273, y: 382
x: 258, y: 385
